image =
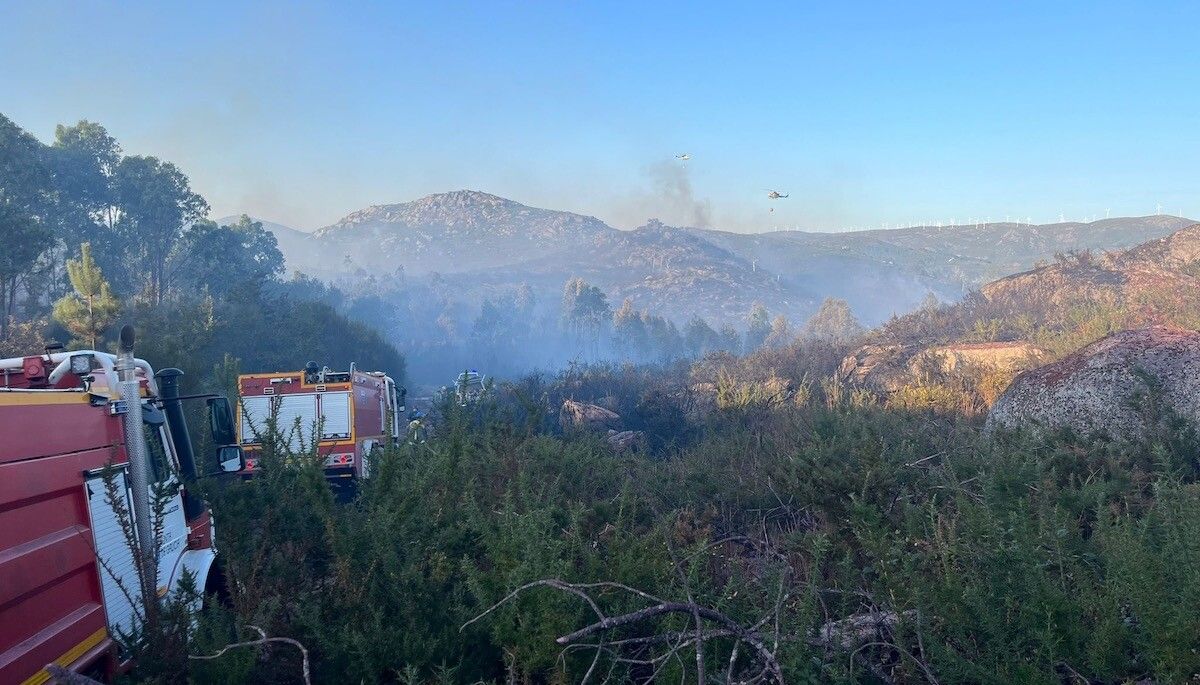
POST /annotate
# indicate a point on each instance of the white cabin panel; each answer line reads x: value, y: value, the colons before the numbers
x: 118, y: 574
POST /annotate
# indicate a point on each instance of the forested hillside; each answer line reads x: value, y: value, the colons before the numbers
x: 93, y: 236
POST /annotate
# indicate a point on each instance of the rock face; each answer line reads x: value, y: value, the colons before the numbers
x: 1094, y: 390
x: 887, y: 368
x: 583, y: 416
x: 1002, y: 356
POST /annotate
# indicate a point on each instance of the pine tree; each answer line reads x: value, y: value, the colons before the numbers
x: 760, y: 327
x: 88, y: 311
x: 781, y: 333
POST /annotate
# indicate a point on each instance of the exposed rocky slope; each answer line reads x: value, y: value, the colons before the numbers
x: 1159, y: 274
x: 1097, y: 389
x: 455, y: 232
x: 1078, y: 298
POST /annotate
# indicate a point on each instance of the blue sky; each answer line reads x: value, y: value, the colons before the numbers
x: 868, y: 114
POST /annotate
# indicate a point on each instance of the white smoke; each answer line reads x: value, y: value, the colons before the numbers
x: 668, y: 197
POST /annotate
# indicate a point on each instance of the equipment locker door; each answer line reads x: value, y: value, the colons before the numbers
x: 298, y: 420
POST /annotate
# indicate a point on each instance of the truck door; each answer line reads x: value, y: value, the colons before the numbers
x: 118, y: 575
x: 174, y: 524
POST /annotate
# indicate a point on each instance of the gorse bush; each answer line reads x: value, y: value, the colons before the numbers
x: 1003, y: 558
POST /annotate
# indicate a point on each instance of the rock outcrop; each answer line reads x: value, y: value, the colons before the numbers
x: 887, y: 368
x: 1096, y: 390
x: 878, y: 367
x: 1000, y: 356
x: 583, y: 416
x: 623, y: 441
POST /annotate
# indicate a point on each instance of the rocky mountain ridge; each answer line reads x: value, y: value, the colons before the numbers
x: 491, y: 243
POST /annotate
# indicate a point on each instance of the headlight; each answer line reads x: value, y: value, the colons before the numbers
x: 81, y: 364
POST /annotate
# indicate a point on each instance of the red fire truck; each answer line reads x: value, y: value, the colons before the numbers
x: 357, y: 412
x: 66, y: 420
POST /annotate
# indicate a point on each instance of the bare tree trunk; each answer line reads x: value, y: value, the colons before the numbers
x: 4, y: 301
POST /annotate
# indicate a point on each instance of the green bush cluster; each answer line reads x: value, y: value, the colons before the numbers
x: 1011, y: 558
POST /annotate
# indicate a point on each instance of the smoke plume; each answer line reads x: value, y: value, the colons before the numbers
x: 669, y: 197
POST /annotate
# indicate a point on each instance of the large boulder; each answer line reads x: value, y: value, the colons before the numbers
x: 1096, y: 390
x: 583, y: 416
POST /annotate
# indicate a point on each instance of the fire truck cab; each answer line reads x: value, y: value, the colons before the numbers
x: 357, y: 413
x: 69, y: 588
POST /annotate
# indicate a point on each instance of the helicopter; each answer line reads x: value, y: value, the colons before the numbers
x: 776, y: 195
x: 684, y: 157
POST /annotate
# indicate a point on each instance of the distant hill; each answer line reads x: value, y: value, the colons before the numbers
x: 489, y: 243
x: 1157, y: 280
x: 456, y: 232
x: 1036, y: 316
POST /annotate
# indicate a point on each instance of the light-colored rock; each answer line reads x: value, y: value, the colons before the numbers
x: 1095, y: 389
x: 623, y: 441
x: 583, y: 416
x: 852, y: 631
x: 1000, y: 356
x: 888, y: 368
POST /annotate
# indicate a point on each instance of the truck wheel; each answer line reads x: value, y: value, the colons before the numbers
x: 216, y: 587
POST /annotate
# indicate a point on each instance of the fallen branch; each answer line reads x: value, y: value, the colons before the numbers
x: 263, y: 640
x: 695, y: 637
x: 64, y: 677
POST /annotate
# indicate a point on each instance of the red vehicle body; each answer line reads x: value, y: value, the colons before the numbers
x: 357, y: 412
x: 61, y: 544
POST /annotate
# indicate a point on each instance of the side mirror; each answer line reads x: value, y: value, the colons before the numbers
x: 231, y: 459
x: 220, y: 421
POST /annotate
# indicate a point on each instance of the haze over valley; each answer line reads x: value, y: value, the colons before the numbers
x: 484, y: 245
x: 599, y: 343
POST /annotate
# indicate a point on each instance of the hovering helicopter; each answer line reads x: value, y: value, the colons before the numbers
x: 684, y: 157
x: 776, y: 195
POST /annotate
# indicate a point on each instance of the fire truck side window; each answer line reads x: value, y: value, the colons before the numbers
x: 157, y: 453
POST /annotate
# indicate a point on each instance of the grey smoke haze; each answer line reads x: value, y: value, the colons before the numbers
x: 669, y: 197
